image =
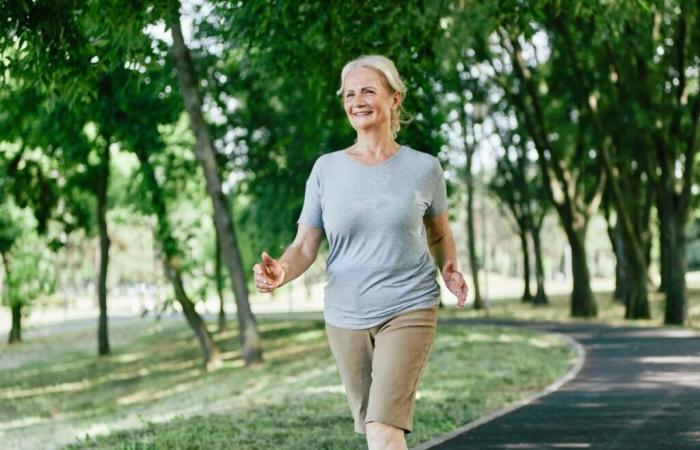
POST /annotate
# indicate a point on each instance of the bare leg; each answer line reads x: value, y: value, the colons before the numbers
x: 381, y: 436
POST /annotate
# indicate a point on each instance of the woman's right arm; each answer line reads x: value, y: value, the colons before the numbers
x: 271, y: 274
x: 302, y: 252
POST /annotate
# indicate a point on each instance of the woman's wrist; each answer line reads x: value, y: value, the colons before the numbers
x: 285, y: 270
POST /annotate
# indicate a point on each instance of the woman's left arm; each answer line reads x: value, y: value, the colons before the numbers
x: 442, y: 246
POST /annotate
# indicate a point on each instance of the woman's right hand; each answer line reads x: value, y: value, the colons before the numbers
x: 269, y: 274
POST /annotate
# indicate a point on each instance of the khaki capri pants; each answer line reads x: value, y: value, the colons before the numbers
x: 381, y: 366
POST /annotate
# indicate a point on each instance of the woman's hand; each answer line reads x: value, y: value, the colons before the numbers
x: 454, y: 281
x: 269, y: 274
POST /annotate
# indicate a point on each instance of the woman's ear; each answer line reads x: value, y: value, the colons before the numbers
x: 395, y: 100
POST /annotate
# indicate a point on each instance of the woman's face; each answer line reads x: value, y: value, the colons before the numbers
x: 367, y: 100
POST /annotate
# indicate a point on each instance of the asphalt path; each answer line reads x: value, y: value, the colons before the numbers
x: 638, y: 389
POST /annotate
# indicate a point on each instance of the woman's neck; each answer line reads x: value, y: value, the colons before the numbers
x: 375, y: 144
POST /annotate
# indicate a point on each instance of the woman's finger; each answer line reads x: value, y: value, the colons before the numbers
x: 262, y: 276
x: 267, y: 283
x: 263, y: 289
x: 267, y: 260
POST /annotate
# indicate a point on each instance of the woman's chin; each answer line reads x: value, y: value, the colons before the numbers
x: 368, y: 126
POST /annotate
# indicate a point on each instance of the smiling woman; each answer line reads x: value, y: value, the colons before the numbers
x: 383, y: 208
x: 367, y: 78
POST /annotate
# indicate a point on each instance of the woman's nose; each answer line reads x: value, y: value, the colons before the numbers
x: 358, y: 101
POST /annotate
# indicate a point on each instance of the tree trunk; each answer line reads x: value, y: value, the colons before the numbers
x: 647, y: 252
x: 471, y: 239
x: 621, y: 269
x: 663, y: 269
x: 583, y: 302
x: 16, y: 330
x: 540, y: 295
x: 101, y: 194
x: 219, y: 279
x: 204, y: 151
x: 527, y: 296
x: 636, y: 298
x: 16, y: 308
x: 210, y: 351
x: 676, y: 266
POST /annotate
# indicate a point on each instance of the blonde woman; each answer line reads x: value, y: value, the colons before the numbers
x: 382, y: 207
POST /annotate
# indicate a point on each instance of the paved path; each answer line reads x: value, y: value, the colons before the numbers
x: 639, y: 389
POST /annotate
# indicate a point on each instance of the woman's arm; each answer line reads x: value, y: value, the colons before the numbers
x: 271, y: 273
x: 440, y: 241
x: 442, y: 246
x: 302, y: 252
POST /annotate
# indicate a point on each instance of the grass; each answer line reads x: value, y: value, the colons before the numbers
x: 153, y: 393
x: 609, y: 311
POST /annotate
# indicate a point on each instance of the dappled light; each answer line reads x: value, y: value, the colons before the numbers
x: 64, y: 387
x: 171, y: 384
x: 333, y: 389
x: 206, y: 206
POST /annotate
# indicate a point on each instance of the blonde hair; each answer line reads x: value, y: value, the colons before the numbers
x: 385, y: 67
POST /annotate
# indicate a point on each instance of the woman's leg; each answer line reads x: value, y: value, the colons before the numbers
x: 401, y: 349
x: 353, y: 351
x: 381, y: 436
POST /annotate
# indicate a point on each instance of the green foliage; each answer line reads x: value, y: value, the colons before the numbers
x: 274, y: 77
x: 12, y: 224
x: 29, y: 265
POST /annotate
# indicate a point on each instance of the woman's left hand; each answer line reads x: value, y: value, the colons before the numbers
x: 454, y: 281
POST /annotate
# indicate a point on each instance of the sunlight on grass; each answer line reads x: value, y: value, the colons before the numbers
x: 23, y: 422
x: 153, y: 391
x: 543, y: 341
x: 147, y: 395
x: 63, y: 387
x: 333, y: 389
x: 609, y: 311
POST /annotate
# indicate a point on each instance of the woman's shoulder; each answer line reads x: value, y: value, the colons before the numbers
x: 325, y: 161
x: 328, y: 158
x: 422, y: 158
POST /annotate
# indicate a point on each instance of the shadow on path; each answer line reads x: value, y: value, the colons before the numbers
x: 638, y: 389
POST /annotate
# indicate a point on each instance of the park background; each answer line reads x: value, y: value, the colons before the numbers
x: 151, y: 150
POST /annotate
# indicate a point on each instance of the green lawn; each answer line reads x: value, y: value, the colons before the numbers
x: 609, y: 311
x: 153, y: 393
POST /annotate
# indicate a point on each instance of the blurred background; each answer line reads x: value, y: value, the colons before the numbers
x: 151, y: 150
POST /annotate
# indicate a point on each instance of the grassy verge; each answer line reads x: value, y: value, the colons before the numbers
x: 609, y: 311
x: 152, y: 392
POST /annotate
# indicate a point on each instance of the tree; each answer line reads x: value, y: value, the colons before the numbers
x: 28, y: 272
x: 465, y: 87
x: 518, y: 185
x: 627, y: 181
x: 187, y: 77
x: 635, y: 81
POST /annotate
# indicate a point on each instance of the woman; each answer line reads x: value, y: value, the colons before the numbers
x: 382, y: 207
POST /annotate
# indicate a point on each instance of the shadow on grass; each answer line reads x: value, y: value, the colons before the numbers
x: 298, y: 402
x: 78, y: 384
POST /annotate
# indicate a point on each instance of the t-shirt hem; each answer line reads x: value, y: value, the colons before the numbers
x: 365, y: 325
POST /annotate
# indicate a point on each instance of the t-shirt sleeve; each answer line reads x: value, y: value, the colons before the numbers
x: 311, y: 212
x: 438, y: 204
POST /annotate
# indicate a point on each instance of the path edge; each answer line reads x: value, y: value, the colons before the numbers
x: 580, y: 359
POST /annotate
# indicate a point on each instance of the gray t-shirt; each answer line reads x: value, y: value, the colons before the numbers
x: 378, y: 263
